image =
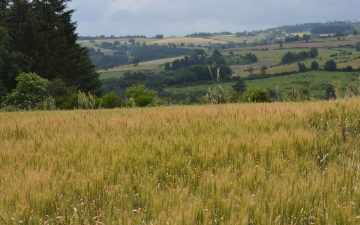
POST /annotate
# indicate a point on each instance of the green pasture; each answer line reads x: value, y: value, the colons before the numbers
x: 315, y: 81
x: 116, y: 74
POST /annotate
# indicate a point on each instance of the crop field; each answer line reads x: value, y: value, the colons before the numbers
x: 274, y: 163
x: 314, y: 81
x: 148, y: 65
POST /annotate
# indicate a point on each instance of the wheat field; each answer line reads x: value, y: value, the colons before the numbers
x: 274, y: 163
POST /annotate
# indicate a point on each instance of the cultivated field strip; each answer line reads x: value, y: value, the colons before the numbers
x: 277, y: 163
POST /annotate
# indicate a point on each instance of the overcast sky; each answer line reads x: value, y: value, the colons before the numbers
x: 181, y: 17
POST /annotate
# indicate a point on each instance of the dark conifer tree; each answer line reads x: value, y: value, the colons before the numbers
x: 43, y: 31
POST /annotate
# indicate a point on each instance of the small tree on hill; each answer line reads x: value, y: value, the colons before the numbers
x: 330, y: 65
x: 357, y: 46
x: 240, y: 85
x: 263, y: 69
x: 313, y: 53
x: 250, y: 70
x: 314, y: 65
x: 306, y: 37
x: 135, y: 61
x: 302, y: 67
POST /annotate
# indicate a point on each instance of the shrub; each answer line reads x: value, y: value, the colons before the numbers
x: 29, y: 92
x: 136, y: 91
x: 110, y: 100
x: 256, y: 95
x: 144, y: 100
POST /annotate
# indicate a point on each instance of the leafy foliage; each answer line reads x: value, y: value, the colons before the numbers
x: 45, y: 34
x: 302, y: 67
x: 30, y: 90
x: 314, y: 65
x: 240, y: 85
x: 110, y: 100
x: 12, y: 63
x: 256, y: 95
x: 330, y: 65
x: 291, y: 57
x: 141, y: 95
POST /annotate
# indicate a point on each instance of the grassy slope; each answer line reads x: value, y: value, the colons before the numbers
x: 278, y: 163
x: 314, y: 81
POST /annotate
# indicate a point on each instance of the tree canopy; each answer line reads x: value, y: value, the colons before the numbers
x: 43, y: 32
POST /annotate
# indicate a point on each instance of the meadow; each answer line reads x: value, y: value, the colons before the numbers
x: 314, y: 81
x: 274, y: 163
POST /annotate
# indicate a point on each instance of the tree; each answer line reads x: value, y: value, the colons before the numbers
x: 289, y: 57
x: 339, y: 33
x: 43, y: 31
x: 280, y: 43
x: 167, y: 66
x: 302, y: 67
x: 132, y: 41
x: 263, y: 69
x: 330, y: 92
x: 355, y: 32
x: 306, y: 37
x: 349, y: 68
x: 199, y: 52
x: 159, y: 36
x: 313, y: 53
x: 30, y: 90
x: 357, y: 46
x: 135, y: 61
x: 250, y: 70
x: 11, y: 63
x: 240, y: 85
x: 330, y: 65
x: 314, y: 65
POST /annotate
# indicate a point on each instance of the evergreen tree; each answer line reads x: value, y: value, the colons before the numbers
x: 43, y: 31
x: 11, y: 63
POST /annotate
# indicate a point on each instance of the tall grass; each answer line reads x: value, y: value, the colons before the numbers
x: 278, y: 163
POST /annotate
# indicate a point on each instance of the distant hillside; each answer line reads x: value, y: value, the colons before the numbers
x: 319, y: 28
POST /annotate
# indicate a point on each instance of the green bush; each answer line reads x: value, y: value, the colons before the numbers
x: 110, y: 100
x: 144, y: 100
x: 137, y: 92
x: 256, y: 95
x: 30, y: 91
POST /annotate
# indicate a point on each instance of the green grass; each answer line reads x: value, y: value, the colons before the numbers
x: 314, y: 81
x: 117, y: 74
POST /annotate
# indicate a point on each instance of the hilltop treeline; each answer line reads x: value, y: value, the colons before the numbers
x: 207, y: 34
x: 317, y: 28
x: 109, y: 37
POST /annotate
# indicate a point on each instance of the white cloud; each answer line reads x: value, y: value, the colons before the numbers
x: 169, y: 17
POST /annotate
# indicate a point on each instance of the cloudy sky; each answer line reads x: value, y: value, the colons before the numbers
x: 181, y: 17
